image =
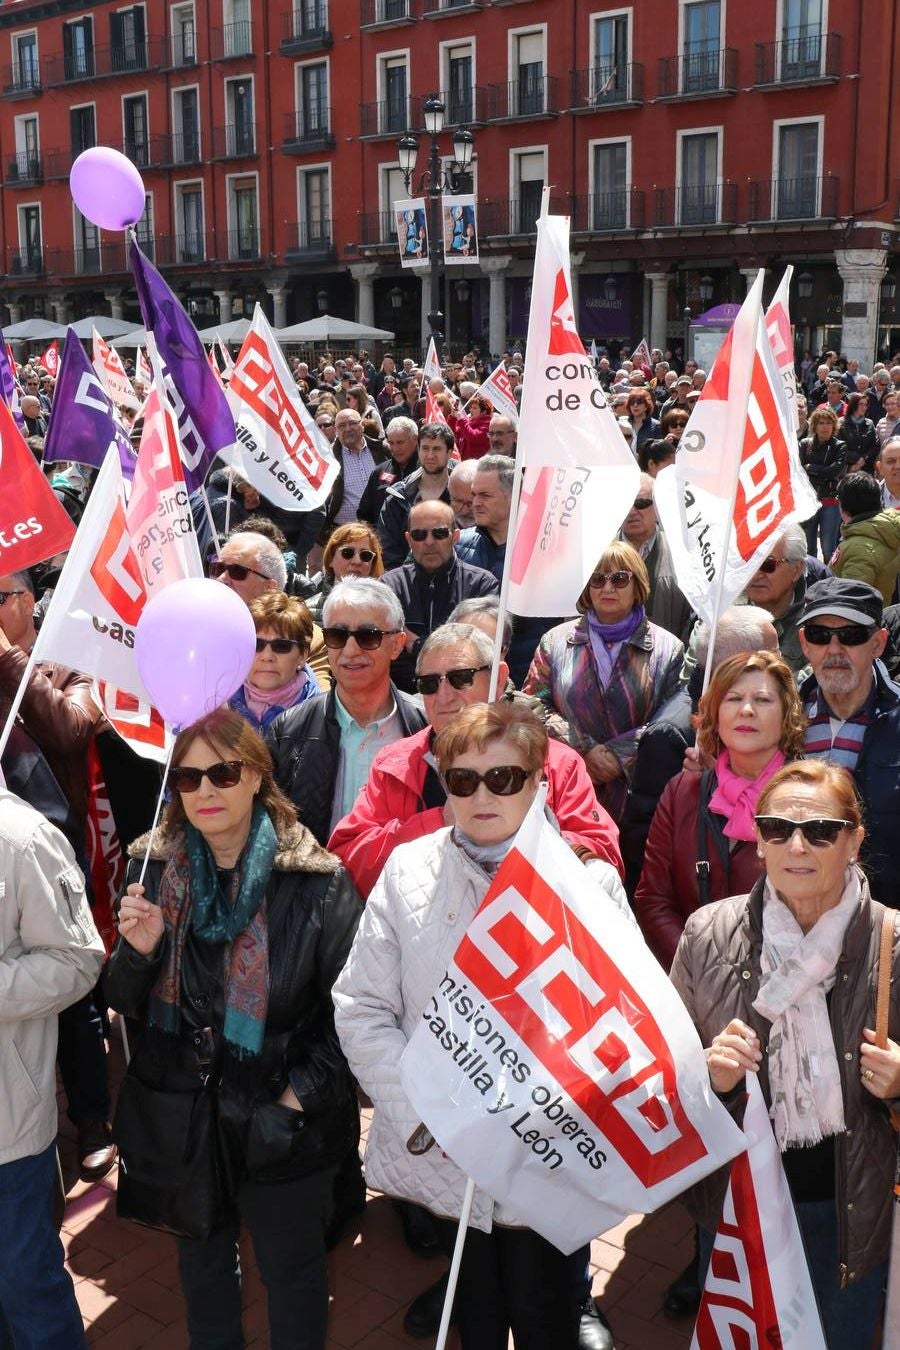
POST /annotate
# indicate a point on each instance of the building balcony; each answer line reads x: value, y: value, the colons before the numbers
x: 22, y: 79
x: 240, y: 245
x: 518, y: 216
x: 310, y: 241
x: 701, y: 206
x: 608, y: 212
x: 608, y: 87
x: 102, y: 62
x: 523, y: 98
x: 237, y: 140
x: 390, y: 117
x: 149, y: 152
x: 436, y: 9
x: 377, y: 229
x: 791, y: 200
x: 465, y: 107
x: 25, y: 262
x: 232, y: 41
x: 386, y: 13
x: 103, y: 259
x: 705, y: 74
x: 24, y: 169
x: 809, y: 58
x: 304, y: 28
x: 307, y: 130
x: 182, y: 51
x: 184, y: 250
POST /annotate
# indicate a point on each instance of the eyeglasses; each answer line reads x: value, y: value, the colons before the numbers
x: 506, y: 780
x: 237, y: 571
x: 4, y: 596
x: 850, y: 635
x: 642, y: 503
x: 437, y: 532
x: 368, y: 638
x: 225, y: 774
x: 348, y: 553
x: 328, y: 423
x: 820, y: 832
x: 460, y: 678
x: 618, y: 580
x: 280, y: 646
x: 770, y: 565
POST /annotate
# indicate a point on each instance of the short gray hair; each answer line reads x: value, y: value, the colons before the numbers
x: 483, y: 604
x: 464, y: 471
x: 269, y: 558
x: 451, y: 633
x: 741, y: 629
x: 364, y: 593
x: 504, y: 466
x: 794, y: 539
x: 402, y: 424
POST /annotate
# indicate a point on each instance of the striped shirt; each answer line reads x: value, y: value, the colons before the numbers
x: 358, y: 465
x: 828, y: 737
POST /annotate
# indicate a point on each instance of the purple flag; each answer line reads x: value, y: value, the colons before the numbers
x: 7, y: 379
x: 205, y: 421
x: 82, y: 423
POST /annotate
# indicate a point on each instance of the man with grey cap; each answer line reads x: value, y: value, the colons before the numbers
x: 853, y: 712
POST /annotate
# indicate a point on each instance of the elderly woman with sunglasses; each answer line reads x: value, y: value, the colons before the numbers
x: 226, y: 959
x: 602, y: 677
x: 353, y: 550
x: 491, y: 759
x: 781, y: 983
x: 281, y: 676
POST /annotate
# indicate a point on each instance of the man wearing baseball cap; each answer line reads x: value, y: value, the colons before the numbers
x: 853, y: 712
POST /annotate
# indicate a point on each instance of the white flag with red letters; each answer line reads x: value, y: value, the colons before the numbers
x: 499, y: 390
x: 432, y: 367
x: 279, y: 448
x: 758, y: 1290
x: 581, y: 477
x: 555, y: 1063
x: 781, y: 336
x: 737, y: 478
x: 111, y: 373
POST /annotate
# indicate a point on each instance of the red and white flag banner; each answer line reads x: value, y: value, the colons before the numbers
x: 641, y: 357
x: 431, y: 370
x: 555, y: 1063
x: 758, y: 1289
x: 581, y: 477
x: 781, y: 336
x: 50, y: 359
x: 144, y: 369
x: 737, y: 478
x: 111, y: 373
x: 433, y: 410
x: 134, y: 720
x: 279, y: 448
x: 33, y: 525
x: 499, y: 390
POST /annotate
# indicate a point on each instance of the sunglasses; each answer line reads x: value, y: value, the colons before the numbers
x: 770, y: 565
x: 460, y: 678
x: 225, y: 774
x: 368, y: 638
x: 4, y: 596
x: 850, y: 635
x: 327, y: 423
x: 348, y: 552
x: 418, y: 536
x: 820, y: 832
x: 506, y: 780
x: 642, y: 503
x: 618, y: 580
x: 237, y: 571
x: 280, y: 646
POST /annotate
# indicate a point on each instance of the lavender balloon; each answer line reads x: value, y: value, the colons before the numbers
x: 107, y: 188
x: 194, y: 644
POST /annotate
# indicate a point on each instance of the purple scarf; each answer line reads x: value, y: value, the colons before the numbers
x: 607, y: 638
x: 735, y: 797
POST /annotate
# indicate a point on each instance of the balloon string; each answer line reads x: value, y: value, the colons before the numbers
x: 159, y: 802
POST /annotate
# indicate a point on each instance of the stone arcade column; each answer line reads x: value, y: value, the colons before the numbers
x: 60, y: 308
x: 15, y: 311
x: 496, y: 269
x: 225, y: 302
x: 114, y: 300
x: 277, y: 287
x: 659, y: 308
x: 862, y: 272
x: 364, y: 275
x: 749, y: 274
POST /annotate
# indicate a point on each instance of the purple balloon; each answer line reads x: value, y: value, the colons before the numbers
x: 107, y: 188
x: 194, y: 644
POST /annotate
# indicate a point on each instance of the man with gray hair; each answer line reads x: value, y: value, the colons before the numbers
x: 249, y: 564
x: 779, y: 585
x: 428, y: 483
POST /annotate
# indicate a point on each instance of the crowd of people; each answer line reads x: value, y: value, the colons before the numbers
x: 328, y: 835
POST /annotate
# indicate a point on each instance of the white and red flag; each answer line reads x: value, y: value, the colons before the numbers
x: 227, y: 359
x: 641, y: 357
x: 50, y: 358
x: 499, y: 390
x: 33, y: 525
x: 432, y: 367
x: 135, y: 721
x: 781, y: 336
x: 144, y: 369
x: 737, y: 478
x: 580, y: 476
x: 758, y: 1289
x: 433, y: 410
x: 110, y: 372
x: 279, y: 448
x: 555, y: 1063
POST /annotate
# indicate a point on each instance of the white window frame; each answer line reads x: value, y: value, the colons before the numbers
x: 19, y: 132
x: 302, y: 171
x: 231, y: 225
x: 27, y: 206
x: 177, y: 125
x: 14, y: 40
x: 135, y: 93
x: 779, y: 31
x: 177, y: 190
x: 512, y: 46
x: 628, y: 12
x: 777, y: 124
x: 444, y: 49
x: 301, y: 65
x: 719, y: 132
x: 148, y: 197
x: 177, y: 9
x: 88, y: 103
x: 611, y: 140
x: 381, y: 60
x: 683, y: 5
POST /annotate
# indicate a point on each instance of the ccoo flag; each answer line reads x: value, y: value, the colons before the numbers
x: 83, y: 424
x: 580, y: 475
x: 781, y: 336
x: 111, y: 373
x: 33, y: 525
x: 555, y: 1063
x: 498, y: 389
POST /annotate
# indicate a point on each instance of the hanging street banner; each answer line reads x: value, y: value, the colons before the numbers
x: 411, y: 224
x: 460, y: 222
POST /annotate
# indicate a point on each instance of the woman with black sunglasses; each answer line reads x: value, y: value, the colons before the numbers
x: 281, y: 676
x: 781, y: 983
x: 353, y: 550
x: 226, y: 958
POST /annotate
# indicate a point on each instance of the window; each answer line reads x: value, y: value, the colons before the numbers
x: 30, y: 252
x: 27, y: 162
x: 135, y: 126
x: 529, y: 170
x: 312, y: 101
x: 310, y: 17
x: 190, y: 240
x: 801, y: 35
x: 393, y: 189
x: 609, y: 73
x: 459, y: 63
x: 527, y: 93
x: 87, y: 244
x: 128, y: 40
x: 82, y: 128
x: 144, y: 227
x: 395, y: 85
x: 78, y: 49
x: 26, y: 70
x: 186, y: 149
x: 238, y: 28
x: 184, y: 48
x: 797, y: 171
x: 699, y: 179
x: 609, y: 201
x: 239, y: 131
x: 243, y: 219
x: 314, y: 208
x: 700, y: 65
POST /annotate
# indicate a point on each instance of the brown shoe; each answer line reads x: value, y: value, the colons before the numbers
x: 96, y: 1150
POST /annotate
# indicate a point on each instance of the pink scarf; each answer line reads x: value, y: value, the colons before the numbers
x: 735, y: 797
x: 285, y: 696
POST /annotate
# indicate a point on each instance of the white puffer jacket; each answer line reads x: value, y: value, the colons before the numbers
x: 414, y: 920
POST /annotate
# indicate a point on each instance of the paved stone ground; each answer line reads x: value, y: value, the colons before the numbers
x: 127, y: 1281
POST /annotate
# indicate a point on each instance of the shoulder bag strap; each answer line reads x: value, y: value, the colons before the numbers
x: 883, y: 991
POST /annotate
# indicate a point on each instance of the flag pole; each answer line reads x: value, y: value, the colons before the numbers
x: 17, y: 700
x: 447, y: 1311
x: 159, y: 802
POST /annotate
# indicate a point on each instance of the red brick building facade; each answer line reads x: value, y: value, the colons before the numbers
x: 691, y: 141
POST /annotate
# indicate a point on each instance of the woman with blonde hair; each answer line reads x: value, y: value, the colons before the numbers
x: 353, y: 550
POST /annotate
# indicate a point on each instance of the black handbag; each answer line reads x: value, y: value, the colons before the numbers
x: 171, y: 1172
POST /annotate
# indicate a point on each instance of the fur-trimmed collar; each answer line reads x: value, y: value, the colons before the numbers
x: 298, y: 851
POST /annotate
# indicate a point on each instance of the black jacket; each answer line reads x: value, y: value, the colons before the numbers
x: 428, y: 599
x: 824, y: 463
x: 336, y: 499
x: 861, y: 442
x: 312, y: 910
x: 382, y: 477
x: 305, y: 743
x: 394, y: 517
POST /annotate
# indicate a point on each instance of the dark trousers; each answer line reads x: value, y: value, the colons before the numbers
x: 286, y: 1224
x: 82, y: 1060
x: 38, y: 1309
x: 512, y: 1279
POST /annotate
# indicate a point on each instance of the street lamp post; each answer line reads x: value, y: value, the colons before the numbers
x: 686, y: 341
x: 433, y: 182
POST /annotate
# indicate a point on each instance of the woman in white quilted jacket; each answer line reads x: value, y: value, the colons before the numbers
x: 490, y: 759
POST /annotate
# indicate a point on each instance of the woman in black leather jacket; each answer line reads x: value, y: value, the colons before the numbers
x: 227, y: 955
x: 858, y: 435
x: 822, y: 455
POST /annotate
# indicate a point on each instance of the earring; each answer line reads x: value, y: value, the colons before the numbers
x: 759, y: 853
